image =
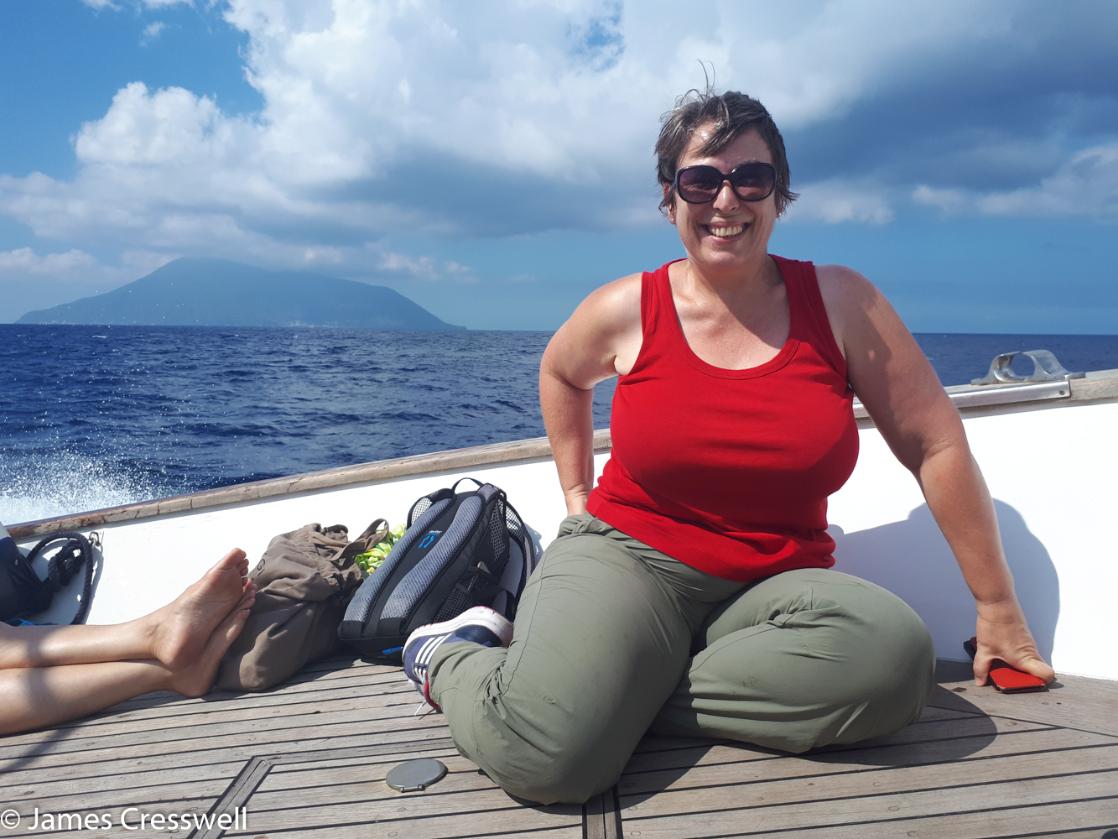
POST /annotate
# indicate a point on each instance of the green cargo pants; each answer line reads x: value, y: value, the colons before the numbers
x: 613, y: 638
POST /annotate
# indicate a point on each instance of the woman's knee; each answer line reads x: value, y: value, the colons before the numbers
x: 886, y: 645
x: 850, y: 662
x: 559, y: 778
x: 882, y: 687
x: 545, y: 757
x: 890, y: 673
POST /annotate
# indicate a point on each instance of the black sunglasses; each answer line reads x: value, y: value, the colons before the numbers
x: 752, y: 181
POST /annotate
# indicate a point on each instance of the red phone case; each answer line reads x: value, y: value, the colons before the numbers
x: 1005, y: 678
x: 1011, y: 680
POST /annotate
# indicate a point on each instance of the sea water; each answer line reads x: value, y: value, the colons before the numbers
x: 92, y: 417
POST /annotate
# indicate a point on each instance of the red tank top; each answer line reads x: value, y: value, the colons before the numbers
x: 729, y: 470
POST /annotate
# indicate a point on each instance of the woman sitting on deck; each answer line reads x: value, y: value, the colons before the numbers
x: 690, y: 592
x: 51, y: 674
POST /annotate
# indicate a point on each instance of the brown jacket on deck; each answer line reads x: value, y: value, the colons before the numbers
x: 303, y: 581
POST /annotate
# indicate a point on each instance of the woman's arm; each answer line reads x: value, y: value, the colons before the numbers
x: 904, y: 397
x: 584, y: 351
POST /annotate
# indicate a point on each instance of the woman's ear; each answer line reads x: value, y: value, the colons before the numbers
x: 669, y: 197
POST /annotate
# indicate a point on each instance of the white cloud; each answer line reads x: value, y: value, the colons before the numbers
x: 170, y: 126
x: 152, y: 32
x: 74, y: 266
x: 424, y: 268
x: 101, y: 4
x: 1086, y: 185
x: 838, y: 201
x: 947, y: 200
x: 26, y: 261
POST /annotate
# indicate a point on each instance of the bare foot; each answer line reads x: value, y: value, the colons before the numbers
x: 196, y: 678
x: 181, y: 630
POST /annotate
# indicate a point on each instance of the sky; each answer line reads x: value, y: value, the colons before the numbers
x: 493, y: 160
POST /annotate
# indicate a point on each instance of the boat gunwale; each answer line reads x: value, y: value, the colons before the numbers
x: 1101, y: 385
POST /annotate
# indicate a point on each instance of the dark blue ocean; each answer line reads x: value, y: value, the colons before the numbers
x: 98, y: 416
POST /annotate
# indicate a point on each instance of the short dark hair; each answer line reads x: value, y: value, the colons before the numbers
x: 732, y: 114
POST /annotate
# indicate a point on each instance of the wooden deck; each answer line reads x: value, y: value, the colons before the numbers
x: 310, y: 759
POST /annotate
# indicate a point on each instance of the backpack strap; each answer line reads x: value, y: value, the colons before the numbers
x: 447, y: 493
x: 72, y: 553
x: 454, y: 488
x: 516, y: 574
x: 373, y: 535
x: 75, y: 554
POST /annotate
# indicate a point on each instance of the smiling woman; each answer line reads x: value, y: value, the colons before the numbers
x: 691, y: 591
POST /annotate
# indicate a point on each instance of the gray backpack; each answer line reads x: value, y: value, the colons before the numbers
x: 461, y: 549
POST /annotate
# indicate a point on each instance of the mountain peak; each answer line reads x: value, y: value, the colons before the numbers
x: 194, y: 291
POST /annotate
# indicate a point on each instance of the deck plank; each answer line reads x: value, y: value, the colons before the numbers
x: 1076, y: 820
x: 969, y: 735
x: 331, y: 773
x: 431, y: 814
x: 348, y: 714
x: 726, y: 767
x: 370, y: 789
x: 38, y: 785
x: 365, y: 831
x: 27, y: 771
x: 89, y: 797
x: 116, y: 817
x: 715, y: 787
x: 394, y: 698
x: 1074, y: 702
x: 968, y: 803
x: 232, y: 707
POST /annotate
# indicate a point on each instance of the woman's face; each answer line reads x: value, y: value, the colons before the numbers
x: 727, y: 233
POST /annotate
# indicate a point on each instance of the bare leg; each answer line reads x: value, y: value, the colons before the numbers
x: 172, y: 635
x: 34, y: 697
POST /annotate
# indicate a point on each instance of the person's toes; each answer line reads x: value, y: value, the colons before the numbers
x: 235, y: 559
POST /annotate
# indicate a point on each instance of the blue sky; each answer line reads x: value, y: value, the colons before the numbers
x: 493, y: 160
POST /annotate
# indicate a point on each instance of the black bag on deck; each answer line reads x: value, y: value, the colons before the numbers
x: 23, y: 593
x: 461, y: 549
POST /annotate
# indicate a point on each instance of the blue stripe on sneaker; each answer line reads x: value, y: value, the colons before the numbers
x: 476, y: 634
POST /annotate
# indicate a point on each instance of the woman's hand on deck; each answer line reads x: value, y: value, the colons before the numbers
x: 1003, y: 633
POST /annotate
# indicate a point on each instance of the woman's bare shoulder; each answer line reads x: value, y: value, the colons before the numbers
x: 597, y: 341
x: 607, y: 311
x: 846, y: 294
x: 615, y: 301
x: 609, y: 319
x: 842, y: 285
